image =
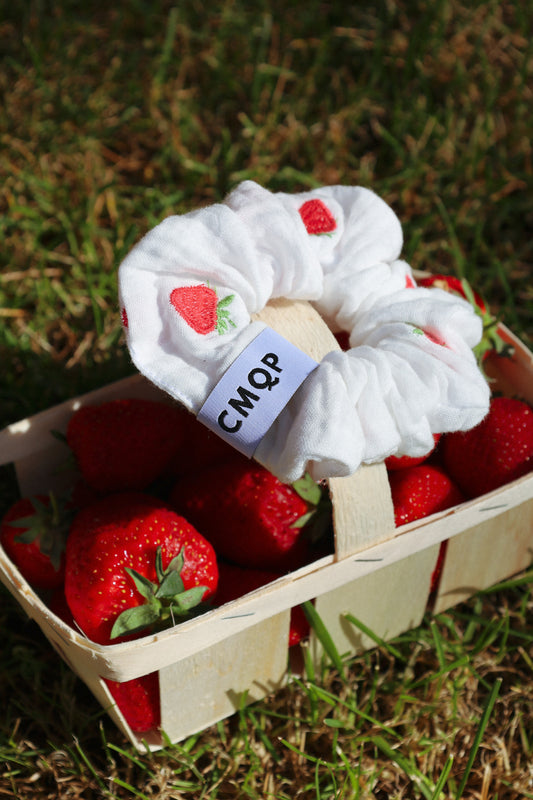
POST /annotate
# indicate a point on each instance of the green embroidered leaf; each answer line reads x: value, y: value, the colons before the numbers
x: 226, y: 301
x: 223, y: 318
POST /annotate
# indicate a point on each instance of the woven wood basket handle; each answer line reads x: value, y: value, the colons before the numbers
x: 362, y: 505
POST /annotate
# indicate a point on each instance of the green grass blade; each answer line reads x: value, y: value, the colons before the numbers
x: 374, y: 637
x: 487, y: 711
x: 439, y: 786
x: 323, y: 636
x: 405, y: 765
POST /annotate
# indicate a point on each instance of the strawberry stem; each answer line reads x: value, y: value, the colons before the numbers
x: 317, y: 520
x: 166, y: 599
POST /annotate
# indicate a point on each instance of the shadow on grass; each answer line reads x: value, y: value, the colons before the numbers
x: 41, y: 700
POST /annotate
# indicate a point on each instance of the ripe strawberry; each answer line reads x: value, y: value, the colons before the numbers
x: 420, y: 491
x: 124, y: 444
x: 317, y: 217
x: 495, y: 452
x: 450, y: 283
x: 138, y: 700
x: 299, y: 627
x: 33, y: 534
x: 203, y: 448
x: 401, y: 462
x: 439, y: 566
x: 248, y: 515
x: 201, y: 309
x: 57, y: 603
x: 131, y: 564
x: 235, y: 581
x: 343, y: 340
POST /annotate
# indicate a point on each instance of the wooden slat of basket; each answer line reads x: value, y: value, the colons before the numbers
x: 211, y: 685
x: 485, y: 555
x: 363, y: 512
x: 502, y: 545
x: 388, y: 602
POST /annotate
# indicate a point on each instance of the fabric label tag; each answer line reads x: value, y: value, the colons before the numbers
x: 255, y: 389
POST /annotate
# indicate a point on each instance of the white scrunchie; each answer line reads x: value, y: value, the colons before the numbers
x: 389, y: 393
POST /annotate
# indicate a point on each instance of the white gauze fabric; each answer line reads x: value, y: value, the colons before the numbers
x: 189, y: 287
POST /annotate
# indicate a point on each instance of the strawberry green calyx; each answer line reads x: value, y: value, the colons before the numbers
x: 47, y: 527
x: 317, y: 520
x: 491, y: 341
x: 166, y: 600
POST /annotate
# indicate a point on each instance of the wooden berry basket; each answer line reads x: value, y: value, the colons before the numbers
x: 378, y: 574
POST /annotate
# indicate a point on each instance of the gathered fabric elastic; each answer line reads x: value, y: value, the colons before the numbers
x: 189, y: 288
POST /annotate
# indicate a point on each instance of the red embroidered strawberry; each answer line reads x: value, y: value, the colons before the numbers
x: 124, y: 444
x: 491, y: 341
x: 201, y: 309
x: 495, y: 452
x: 132, y: 563
x: 428, y: 334
x: 249, y: 516
x: 420, y: 491
x: 317, y: 217
x: 33, y: 534
x: 235, y: 581
x: 401, y: 462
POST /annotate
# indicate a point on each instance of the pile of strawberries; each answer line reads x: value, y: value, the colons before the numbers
x: 166, y: 520
x: 466, y: 465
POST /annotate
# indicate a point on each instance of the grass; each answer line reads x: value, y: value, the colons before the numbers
x: 113, y: 117
x: 449, y: 704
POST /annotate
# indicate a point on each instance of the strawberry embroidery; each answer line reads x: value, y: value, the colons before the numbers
x: 124, y: 317
x: 317, y: 217
x: 431, y: 336
x: 201, y: 309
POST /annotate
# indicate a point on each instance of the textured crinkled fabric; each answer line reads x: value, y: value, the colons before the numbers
x: 189, y: 287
